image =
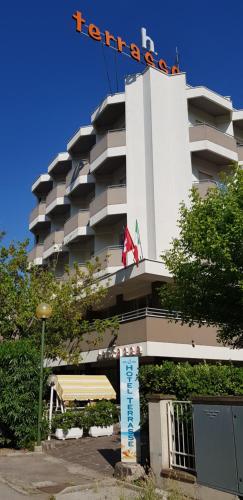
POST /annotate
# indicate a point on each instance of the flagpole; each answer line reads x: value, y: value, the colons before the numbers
x: 140, y: 244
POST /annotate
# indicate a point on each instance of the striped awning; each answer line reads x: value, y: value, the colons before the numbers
x: 83, y: 387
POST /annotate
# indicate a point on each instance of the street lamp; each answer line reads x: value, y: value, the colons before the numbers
x: 43, y: 312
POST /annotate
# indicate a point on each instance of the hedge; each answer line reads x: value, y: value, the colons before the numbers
x: 19, y: 390
x: 185, y: 380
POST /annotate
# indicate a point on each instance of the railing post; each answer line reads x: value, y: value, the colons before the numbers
x: 159, y: 432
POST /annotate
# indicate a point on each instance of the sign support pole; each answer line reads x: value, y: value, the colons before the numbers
x: 130, y: 410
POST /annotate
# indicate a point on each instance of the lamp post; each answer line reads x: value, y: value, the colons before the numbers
x: 43, y: 312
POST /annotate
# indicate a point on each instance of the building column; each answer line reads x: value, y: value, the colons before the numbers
x: 159, y: 432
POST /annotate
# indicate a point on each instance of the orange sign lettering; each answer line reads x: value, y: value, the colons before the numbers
x: 120, y: 45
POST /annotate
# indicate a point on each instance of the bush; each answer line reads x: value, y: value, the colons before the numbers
x: 101, y: 414
x: 19, y: 393
x: 184, y: 380
x: 67, y: 420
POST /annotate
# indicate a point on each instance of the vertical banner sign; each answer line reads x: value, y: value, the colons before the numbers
x: 130, y: 409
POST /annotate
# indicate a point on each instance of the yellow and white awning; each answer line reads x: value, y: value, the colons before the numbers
x: 83, y: 387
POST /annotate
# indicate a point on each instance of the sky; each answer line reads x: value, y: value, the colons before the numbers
x: 53, y: 78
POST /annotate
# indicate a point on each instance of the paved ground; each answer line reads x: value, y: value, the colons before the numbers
x: 104, y: 491
x: 72, y: 470
x: 99, y: 454
x: 8, y: 493
x: 34, y: 473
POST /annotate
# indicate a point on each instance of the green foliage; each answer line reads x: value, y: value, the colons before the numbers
x: 67, y: 420
x: 206, y: 261
x: 23, y: 287
x: 19, y: 391
x: 101, y: 414
x: 184, y: 380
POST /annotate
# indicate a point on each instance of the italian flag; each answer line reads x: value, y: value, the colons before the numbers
x: 137, y: 238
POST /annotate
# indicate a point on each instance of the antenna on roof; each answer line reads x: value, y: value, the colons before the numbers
x: 177, y: 58
x: 106, y: 68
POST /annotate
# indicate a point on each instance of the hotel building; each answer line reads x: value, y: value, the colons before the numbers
x: 137, y: 160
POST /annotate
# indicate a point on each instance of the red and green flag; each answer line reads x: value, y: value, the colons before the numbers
x: 128, y: 246
x: 138, y: 238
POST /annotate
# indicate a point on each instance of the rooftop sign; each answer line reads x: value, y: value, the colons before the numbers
x: 116, y: 42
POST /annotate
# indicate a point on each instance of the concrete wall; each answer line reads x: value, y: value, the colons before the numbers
x: 157, y: 153
x: 157, y: 330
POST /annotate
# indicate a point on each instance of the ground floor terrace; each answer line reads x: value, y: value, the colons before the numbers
x: 153, y: 334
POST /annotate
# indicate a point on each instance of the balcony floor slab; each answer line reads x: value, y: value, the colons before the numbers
x: 107, y: 158
x: 109, y: 214
x: 77, y: 234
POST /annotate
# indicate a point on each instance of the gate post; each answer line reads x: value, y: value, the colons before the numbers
x: 159, y: 432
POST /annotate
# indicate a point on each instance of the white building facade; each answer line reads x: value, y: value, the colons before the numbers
x: 137, y: 160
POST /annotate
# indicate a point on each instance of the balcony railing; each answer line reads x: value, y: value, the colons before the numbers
x: 80, y: 219
x: 147, y: 312
x: 112, y: 139
x: 55, y: 238
x: 109, y: 256
x: 203, y: 132
x: 36, y: 252
x: 113, y: 195
x: 40, y: 209
x: 56, y: 192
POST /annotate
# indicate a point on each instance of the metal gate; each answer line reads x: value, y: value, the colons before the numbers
x: 181, y: 438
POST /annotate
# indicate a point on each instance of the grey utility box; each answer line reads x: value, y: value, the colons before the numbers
x: 218, y: 434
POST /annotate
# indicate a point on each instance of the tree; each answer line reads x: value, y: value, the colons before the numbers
x: 23, y: 287
x: 19, y: 388
x: 206, y: 261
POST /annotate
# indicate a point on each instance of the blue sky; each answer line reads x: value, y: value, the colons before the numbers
x: 52, y: 78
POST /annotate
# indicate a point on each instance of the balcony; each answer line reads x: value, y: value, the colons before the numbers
x: 35, y: 256
x: 212, y: 144
x: 54, y: 243
x: 77, y: 227
x: 109, y: 258
x: 38, y: 217
x: 82, y: 141
x: 159, y: 336
x: 56, y: 201
x: 79, y: 181
x: 204, y: 186
x: 42, y: 185
x: 109, y: 205
x: 60, y: 165
x: 209, y: 101
x: 109, y: 152
x: 109, y: 111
